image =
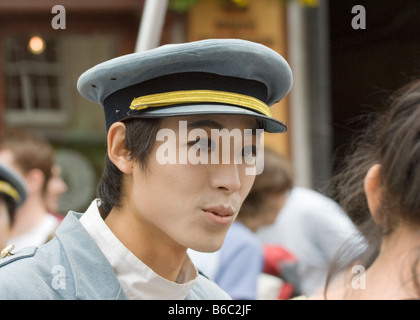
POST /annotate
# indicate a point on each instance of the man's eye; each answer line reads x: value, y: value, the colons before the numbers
x: 249, y: 152
x: 204, y: 144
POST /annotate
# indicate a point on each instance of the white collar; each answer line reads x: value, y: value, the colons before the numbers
x: 137, y: 280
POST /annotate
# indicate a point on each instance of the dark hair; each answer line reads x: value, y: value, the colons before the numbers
x: 10, y: 205
x: 276, y: 177
x: 140, y: 136
x: 30, y: 151
x: 393, y: 141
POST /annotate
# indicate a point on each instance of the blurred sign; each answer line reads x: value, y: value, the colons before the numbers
x: 261, y: 21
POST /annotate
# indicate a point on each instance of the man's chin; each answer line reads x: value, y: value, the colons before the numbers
x: 207, y: 247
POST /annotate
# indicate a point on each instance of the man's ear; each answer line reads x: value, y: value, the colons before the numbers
x: 373, y: 193
x: 35, y: 180
x: 117, y: 152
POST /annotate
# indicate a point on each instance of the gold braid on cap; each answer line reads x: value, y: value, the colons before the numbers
x: 200, y: 96
x: 7, y: 188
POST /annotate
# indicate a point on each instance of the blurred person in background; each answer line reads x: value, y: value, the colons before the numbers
x: 12, y: 195
x: 56, y: 187
x: 236, y: 267
x: 313, y: 227
x: 32, y: 156
x: 379, y: 188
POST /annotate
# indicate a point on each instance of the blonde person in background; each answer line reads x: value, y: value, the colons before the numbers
x: 56, y: 187
x: 32, y: 156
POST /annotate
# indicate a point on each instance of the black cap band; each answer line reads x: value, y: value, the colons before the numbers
x: 117, y: 105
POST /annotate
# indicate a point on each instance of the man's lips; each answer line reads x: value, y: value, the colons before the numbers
x: 221, y: 210
x: 219, y: 215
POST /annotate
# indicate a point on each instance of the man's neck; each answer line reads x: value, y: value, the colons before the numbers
x: 151, y: 246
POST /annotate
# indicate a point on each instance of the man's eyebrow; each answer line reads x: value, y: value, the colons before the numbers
x: 213, y: 124
x: 204, y: 123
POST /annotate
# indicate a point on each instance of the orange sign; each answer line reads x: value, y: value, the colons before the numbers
x: 261, y: 21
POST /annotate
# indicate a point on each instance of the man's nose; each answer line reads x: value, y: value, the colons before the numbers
x: 226, y: 177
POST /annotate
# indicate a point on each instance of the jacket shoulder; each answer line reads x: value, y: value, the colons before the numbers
x: 8, y: 256
x: 33, y: 273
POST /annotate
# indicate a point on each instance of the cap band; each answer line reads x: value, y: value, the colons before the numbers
x: 199, y: 96
x: 9, y: 190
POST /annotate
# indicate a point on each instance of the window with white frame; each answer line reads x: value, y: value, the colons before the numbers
x: 35, y: 90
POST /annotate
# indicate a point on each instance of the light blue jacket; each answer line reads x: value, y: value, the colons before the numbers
x: 71, y: 266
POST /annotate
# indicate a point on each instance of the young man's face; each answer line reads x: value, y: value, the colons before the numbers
x: 192, y: 196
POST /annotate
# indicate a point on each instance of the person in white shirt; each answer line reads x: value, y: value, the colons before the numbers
x: 313, y: 227
x: 32, y: 156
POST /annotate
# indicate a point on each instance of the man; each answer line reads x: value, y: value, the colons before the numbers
x: 168, y: 183
x: 32, y: 157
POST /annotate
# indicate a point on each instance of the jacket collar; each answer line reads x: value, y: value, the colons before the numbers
x: 89, y: 266
x: 137, y: 279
